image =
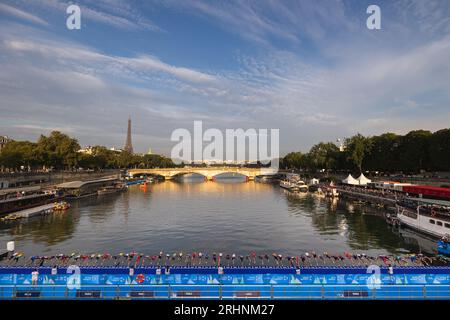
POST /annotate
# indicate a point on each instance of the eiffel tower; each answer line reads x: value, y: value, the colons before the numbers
x: 128, y: 144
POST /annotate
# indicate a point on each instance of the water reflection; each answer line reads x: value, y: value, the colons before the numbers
x: 226, y: 215
x: 49, y: 230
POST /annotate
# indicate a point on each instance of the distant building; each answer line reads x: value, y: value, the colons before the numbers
x: 341, y: 145
x: 3, y: 140
x: 118, y: 150
x: 91, y: 150
x: 87, y: 150
x: 148, y: 153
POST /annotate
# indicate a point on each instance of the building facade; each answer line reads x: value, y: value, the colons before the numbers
x: 3, y: 141
x: 87, y: 150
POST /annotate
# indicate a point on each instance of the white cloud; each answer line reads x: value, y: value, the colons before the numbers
x: 4, y: 8
x: 84, y: 55
x: 111, y: 13
x: 149, y: 62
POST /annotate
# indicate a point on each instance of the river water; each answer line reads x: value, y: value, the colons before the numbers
x: 228, y: 215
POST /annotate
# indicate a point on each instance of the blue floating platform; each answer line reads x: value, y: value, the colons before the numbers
x: 336, y: 283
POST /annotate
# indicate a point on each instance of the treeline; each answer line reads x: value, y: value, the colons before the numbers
x: 418, y: 150
x: 60, y: 152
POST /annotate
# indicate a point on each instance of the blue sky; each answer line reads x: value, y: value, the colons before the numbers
x: 309, y: 68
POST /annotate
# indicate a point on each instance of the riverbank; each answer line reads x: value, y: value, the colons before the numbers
x: 379, y: 200
x: 20, y: 180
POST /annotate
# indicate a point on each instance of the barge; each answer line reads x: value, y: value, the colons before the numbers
x: 24, y: 202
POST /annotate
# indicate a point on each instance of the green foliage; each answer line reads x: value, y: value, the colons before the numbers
x: 389, y: 152
x: 439, y: 150
x: 18, y: 153
x: 157, y: 161
x: 357, y: 147
x: 414, y: 150
x: 323, y: 156
x: 59, y: 151
x: 385, y: 153
x: 293, y: 160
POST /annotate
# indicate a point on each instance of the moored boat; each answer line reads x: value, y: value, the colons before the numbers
x: 133, y: 182
x: 289, y: 185
x: 293, y: 183
x: 302, y: 187
x: 427, y: 218
x: 61, y: 206
x: 118, y: 187
x: 22, y: 202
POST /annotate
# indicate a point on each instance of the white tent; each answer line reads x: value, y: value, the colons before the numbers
x: 362, y: 180
x: 350, y: 180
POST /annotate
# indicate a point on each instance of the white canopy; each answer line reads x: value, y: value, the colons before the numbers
x: 350, y: 180
x: 362, y: 180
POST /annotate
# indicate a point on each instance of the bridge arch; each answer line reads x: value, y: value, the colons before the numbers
x: 136, y: 173
x: 208, y: 172
x: 184, y: 173
x: 222, y: 175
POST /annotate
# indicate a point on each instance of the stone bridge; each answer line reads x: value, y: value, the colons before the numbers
x: 208, y: 172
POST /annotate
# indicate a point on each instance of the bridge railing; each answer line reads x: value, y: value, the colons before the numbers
x: 223, y: 292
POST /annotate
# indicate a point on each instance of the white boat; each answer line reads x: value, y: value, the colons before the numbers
x: 433, y: 220
x: 289, y: 185
x: 294, y: 185
x: 302, y: 187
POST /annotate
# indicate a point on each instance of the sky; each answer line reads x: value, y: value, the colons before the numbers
x: 310, y: 68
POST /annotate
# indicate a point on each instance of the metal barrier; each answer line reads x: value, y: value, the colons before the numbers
x: 222, y: 292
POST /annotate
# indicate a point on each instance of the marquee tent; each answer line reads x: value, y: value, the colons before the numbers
x: 362, y: 180
x: 350, y: 180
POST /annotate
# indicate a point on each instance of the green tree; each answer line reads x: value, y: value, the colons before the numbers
x: 16, y: 154
x: 357, y: 147
x: 323, y: 156
x: 414, y: 150
x: 106, y: 158
x: 384, y: 153
x: 153, y: 161
x: 439, y: 150
x: 58, y: 150
x: 125, y: 160
x: 293, y: 160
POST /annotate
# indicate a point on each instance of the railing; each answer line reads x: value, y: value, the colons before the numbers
x: 221, y: 292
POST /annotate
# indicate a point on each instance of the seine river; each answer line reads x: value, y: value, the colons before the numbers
x: 227, y: 215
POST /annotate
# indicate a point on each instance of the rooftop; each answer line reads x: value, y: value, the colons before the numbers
x: 79, y: 184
